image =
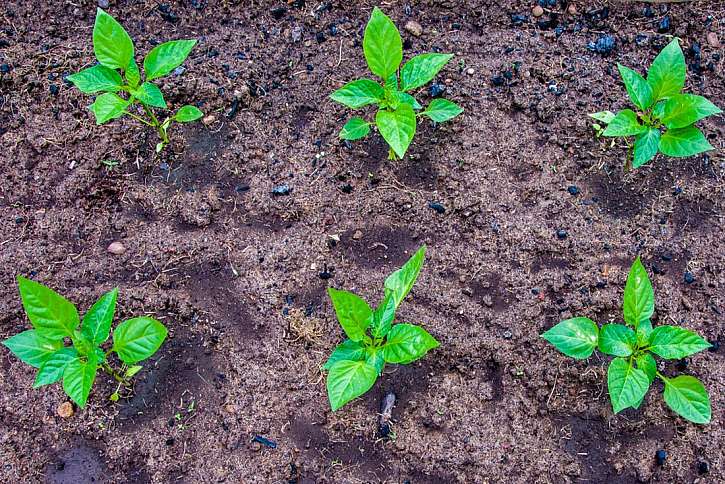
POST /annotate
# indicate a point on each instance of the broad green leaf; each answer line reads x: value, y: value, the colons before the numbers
x: 349, y: 379
x: 421, y: 69
x: 605, y: 117
x: 406, y: 343
x: 376, y: 359
x: 132, y: 370
x: 166, y: 57
x: 687, y: 396
x: 627, y: 384
x: 188, y: 113
x: 397, y: 127
x: 617, y: 340
x: 133, y: 75
x: 576, y: 337
x: 97, y: 78
x: 84, y: 345
x: 347, y: 350
x: 645, y: 146
x: 138, y: 338
x: 639, y: 91
x: 53, y: 368
x: 625, y: 123
x: 357, y: 94
x: 352, y: 311
x: 382, y: 45
x: 97, y: 321
x: 644, y: 330
x: 646, y: 363
x: 659, y: 109
x: 440, y: 110
x: 108, y: 106
x: 32, y: 348
x: 382, y: 318
x: 52, y: 315
x: 683, y: 142
x: 673, y: 343
x: 111, y: 43
x: 355, y: 128
x: 405, y: 98
x: 682, y: 110
x: 150, y: 94
x: 78, y: 379
x: 400, y: 282
x: 666, y: 75
x: 639, y: 298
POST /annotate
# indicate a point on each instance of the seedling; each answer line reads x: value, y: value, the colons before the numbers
x: 373, y: 339
x: 55, y: 322
x: 633, y: 369
x: 114, y: 51
x: 396, y: 117
x: 665, y: 117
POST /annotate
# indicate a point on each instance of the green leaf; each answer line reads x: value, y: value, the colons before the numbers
x: 78, y: 379
x: 682, y: 110
x: 132, y: 370
x: 52, y: 315
x: 111, y: 43
x: 625, y: 123
x: 166, y: 57
x: 576, y: 337
x: 349, y: 379
x: 687, y: 396
x: 54, y: 367
x: 639, y: 298
x: 617, y: 340
x: 32, y: 348
x: 382, y: 318
x: 150, y: 94
x: 405, y: 98
x: 645, y: 146
x: 348, y: 350
x: 406, y: 343
x: 400, y: 282
x: 605, y: 117
x: 357, y: 94
x: 97, y: 321
x: 440, y: 110
x: 138, y: 338
x: 376, y: 359
x: 355, y: 128
x: 97, y: 78
x: 421, y: 69
x: 188, y: 113
x: 382, y: 45
x: 674, y: 343
x: 108, y: 106
x: 644, y: 330
x: 659, y: 110
x: 352, y: 311
x: 639, y: 91
x: 397, y: 127
x: 684, y: 142
x: 647, y: 363
x: 133, y: 75
x: 627, y: 384
x: 666, y: 75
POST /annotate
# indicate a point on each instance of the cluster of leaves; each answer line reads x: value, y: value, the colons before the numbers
x: 373, y: 339
x: 55, y: 319
x: 396, y: 118
x: 633, y: 369
x: 114, y: 51
x: 665, y: 117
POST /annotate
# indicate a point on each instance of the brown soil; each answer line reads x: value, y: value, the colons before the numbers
x: 226, y: 265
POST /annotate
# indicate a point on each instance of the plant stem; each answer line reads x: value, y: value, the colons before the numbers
x: 107, y: 368
x: 138, y: 118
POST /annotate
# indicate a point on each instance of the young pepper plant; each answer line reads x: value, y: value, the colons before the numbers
x: 632, y: 344
x: 373, y: 339
x: 114, y: 51
x: 665, y: 117
x: 396, y: 117
x: 55, y: 320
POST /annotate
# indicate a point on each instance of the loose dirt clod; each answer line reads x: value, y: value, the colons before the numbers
x: 713, y: 40
x: 116, y: 248
x: 414, y: 28
x: 65, y: 410
x: 537, y: 11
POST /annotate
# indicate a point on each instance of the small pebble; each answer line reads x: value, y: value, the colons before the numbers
x: 518, y: 19
x: 103, y: 3
x: 179, y: 71
x: 537, y: 11
x: 498, y: 80
x: 208, y: 120
x: 713, y: 40
x: 573, y: 190
x: 281, y: 190
x: 4, y: 68
x: 689, y: 277
x: 414, y: 28
x: 661, y: 456
x: 703, y: 467
x: 604, y: 45
x: 664, y: 25
x: 470, y: 71
x: 357, y: 235
x: 116, y: 248
x: 561, y: 234
x: 571, y: 9
x: 266, y: 442
x: 507, y: 334
x: 54, y: 89
x: 436, y: 89
x: 437, y: 207
x: 65, y: 410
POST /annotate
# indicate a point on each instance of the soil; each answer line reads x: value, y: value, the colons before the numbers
x: 235, y: 271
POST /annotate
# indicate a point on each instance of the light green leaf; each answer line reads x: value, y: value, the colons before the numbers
x: 382, y: 318
x: 646, y: 363
x: 133, y: 75
x: 405, y: 98
x: 97, y: 321
x: 54, y: 367
x: 111, y: 43
x: 376, y: 359
x: 138, y: 338
x: 682, y: 110
x: 625, y: 123
x: 397, y: 127
x: 52, y: 315
x: 349, y: 379
x: 360, y: 93
x: 576, y: 337
x: 108, y: 106
x: 644, y: 330
x: 78, y: 379
x: 188, y: 113
x: 659, y: 110
x: 97, y: 78
x: 645, y: 146
x: 407, y: 343
x: 666, y: 75
x: 639, y: 91
x: 617, y: 340
x: 673, y: 343
x: 687, y: 396
x: 421, y: 69
x: 627, y: 384
x: 132, y: 370
x: 348, y: 350
x: 354, y: 129
x: 400, y: 282
x: 150, y: 94
x: 352, y: 311
x: 382, y: 45
x: 639, y: 298
x: 166, y: 57
x: 32, y: 348
x: 441, y: 110
x: 684, y: 142
x: 605, y: 117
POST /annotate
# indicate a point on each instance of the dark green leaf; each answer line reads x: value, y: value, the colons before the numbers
x: 383, y: 316
x: 150, y: 94
x: 97, y: 78
x: 674, y: 343
x: 605, y: 117
x: 682, y: 110
x: 50, y: 313
x: 645, y: 146
x: 687, y: 396
x: 421, y: 69
x: 627, y: 384
x: 97, y: 321
x: 53, y: 368
x: 625, y: 123
x: 166, y: 57
x: 666, y: 75
x: 441, y: 110
x: 78, y: 379
x: 400, y: 282
x: 360, y: 93
x: 188, y: 113
x: 382, y: 45
x: 639, y: 91
x: 397, y: 127
x: 108, y: 106
x: 32, y: 348
x: 659, y: 110
x: 576, y: 337
x: 349, y: 379
x: 644, y: 330
x: 683, y: 142
x: 617, y: 340
x: 406, y: 343
x: 354, y: 129
x: 639, y: 298
x: 352, y: 311
x: 111, y: 43
x: 138, y: 338
x: 376, y: 359
x: 348, y: 350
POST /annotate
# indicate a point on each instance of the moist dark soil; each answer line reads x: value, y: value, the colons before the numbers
x: 239, y: 275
